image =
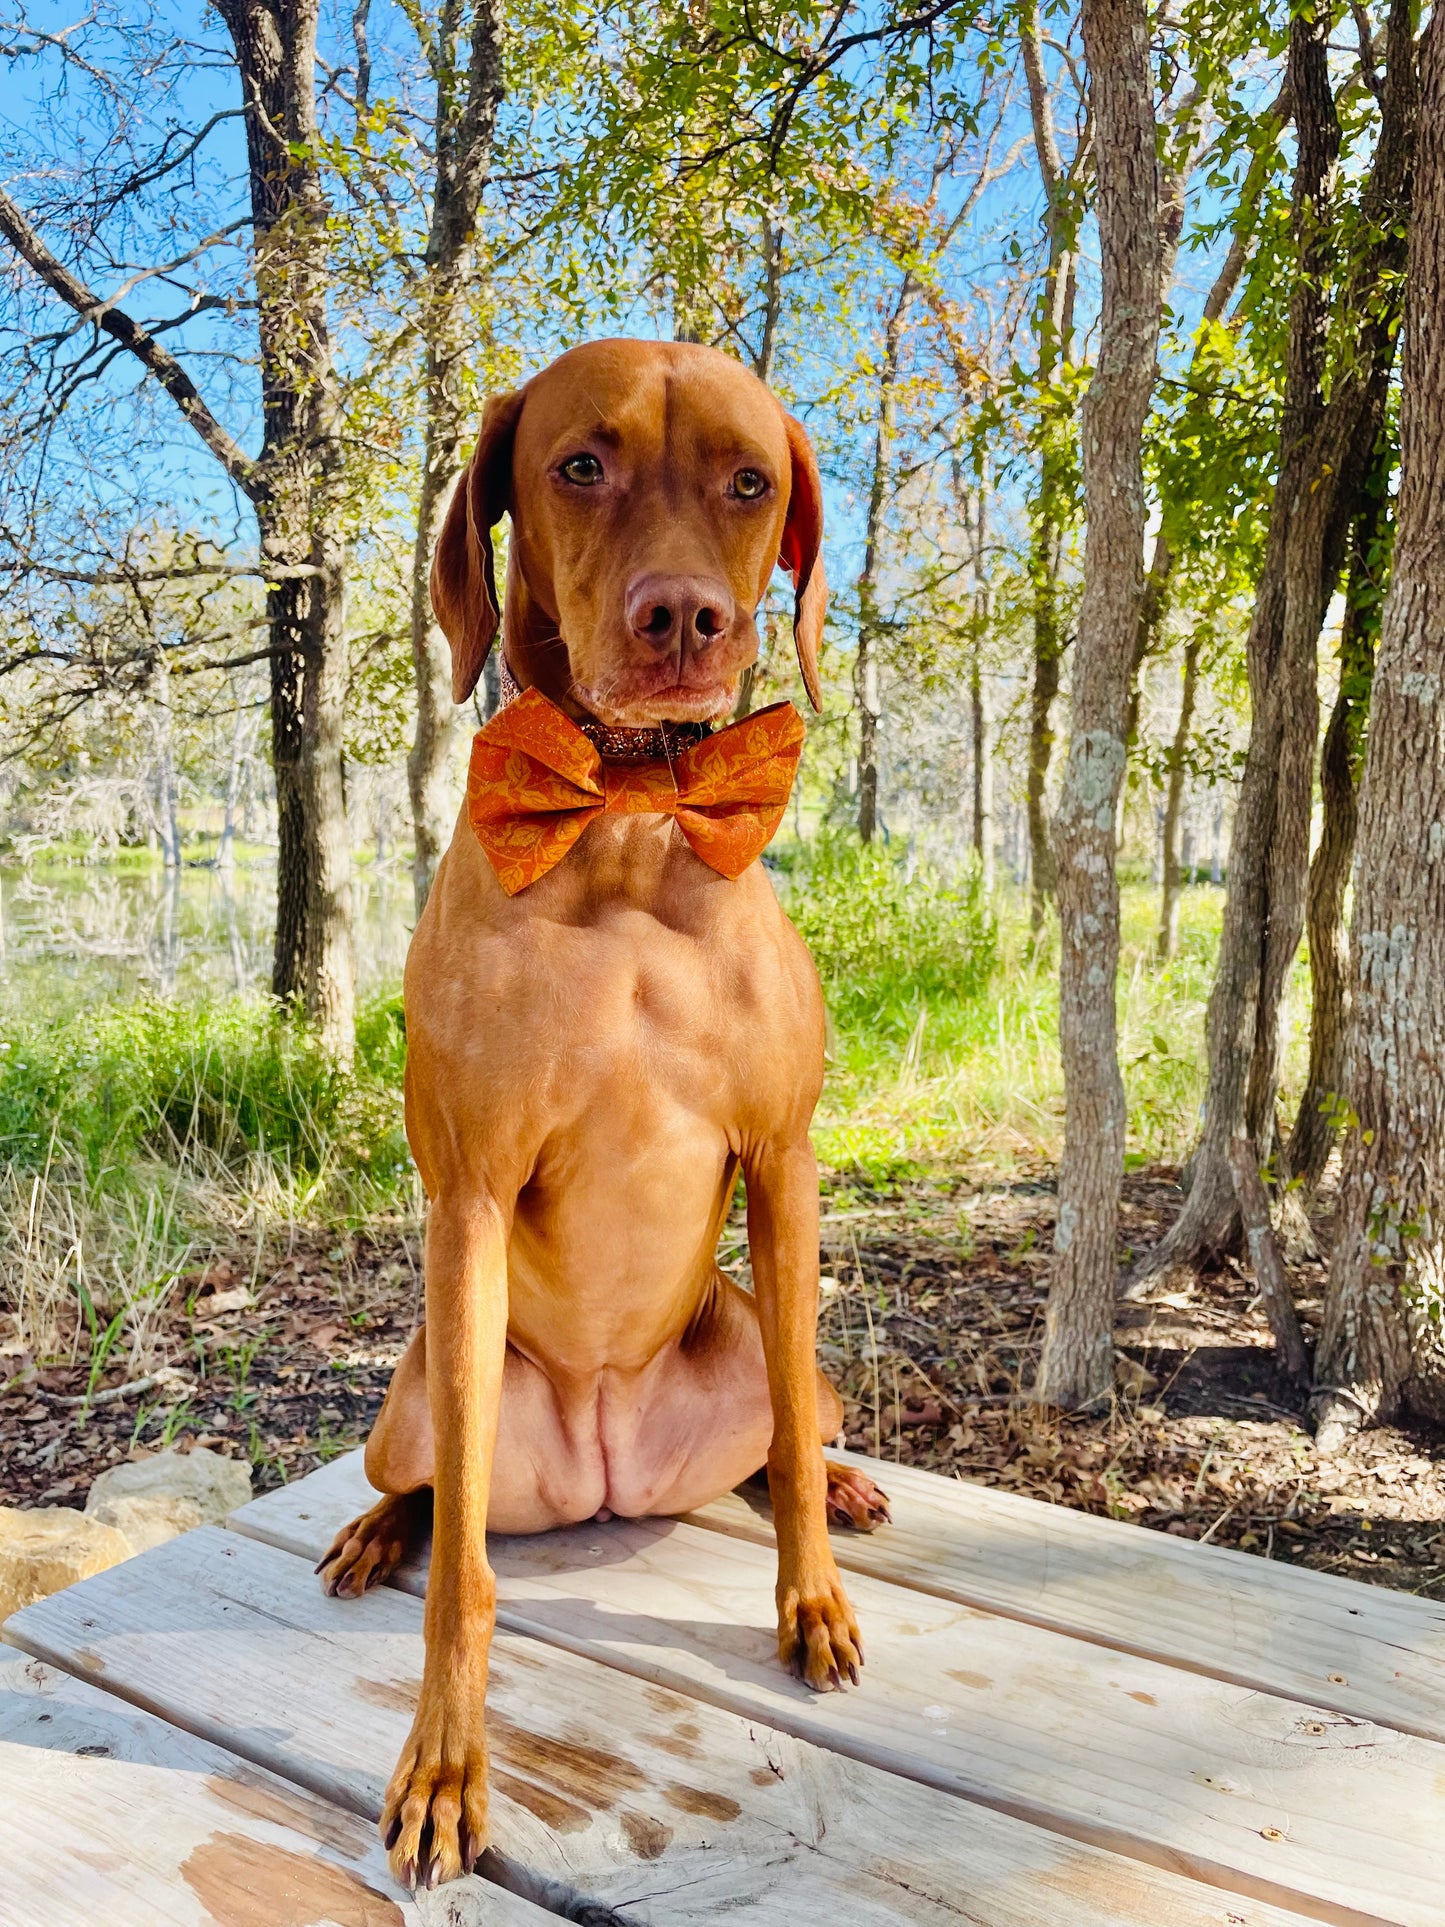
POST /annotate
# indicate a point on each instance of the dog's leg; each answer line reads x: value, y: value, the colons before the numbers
x: 434, y: 1818
x: 399, y: 1463
x: 817, y: 1633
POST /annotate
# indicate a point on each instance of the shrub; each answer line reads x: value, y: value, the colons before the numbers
x: 888, y: 937
x: 236, y: 1078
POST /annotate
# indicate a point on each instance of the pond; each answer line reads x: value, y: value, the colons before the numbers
x: 72, y: 934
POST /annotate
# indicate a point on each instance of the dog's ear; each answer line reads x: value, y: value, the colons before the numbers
x: 463, y: 573
x: 801, y: 554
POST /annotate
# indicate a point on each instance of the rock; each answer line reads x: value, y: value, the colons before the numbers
x: 213, y: 1485
x: 147, y: 1518
x: 46, y: 1548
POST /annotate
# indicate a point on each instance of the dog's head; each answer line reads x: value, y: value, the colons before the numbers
x: 653, y: 487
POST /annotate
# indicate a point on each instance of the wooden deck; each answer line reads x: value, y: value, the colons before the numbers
x: 1063, y: 1723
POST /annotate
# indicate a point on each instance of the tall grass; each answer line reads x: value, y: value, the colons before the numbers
x: 137, y: 1141
x: 943, y: 1042
x: 100, y: 1088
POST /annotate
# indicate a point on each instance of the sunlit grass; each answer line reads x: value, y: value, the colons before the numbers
x: 139, y: 1140
x: 948, y: 1081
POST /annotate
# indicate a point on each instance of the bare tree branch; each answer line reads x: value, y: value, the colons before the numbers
x: 131, y: 336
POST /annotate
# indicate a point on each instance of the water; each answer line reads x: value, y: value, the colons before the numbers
x: 73, y: 934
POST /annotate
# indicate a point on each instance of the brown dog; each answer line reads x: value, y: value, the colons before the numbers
x: 592, y: 1061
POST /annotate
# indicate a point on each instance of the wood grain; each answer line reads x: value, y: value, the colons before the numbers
x: 111, y: 1818
x: 1360, y: 1650
x: 614, y: 1798
x: 1262, y: 1794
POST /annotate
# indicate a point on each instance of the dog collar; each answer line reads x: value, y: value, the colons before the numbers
x: 614, y: 744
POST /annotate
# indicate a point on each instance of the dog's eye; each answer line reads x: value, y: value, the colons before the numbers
x: 582, y: 469
x: 749, y: 483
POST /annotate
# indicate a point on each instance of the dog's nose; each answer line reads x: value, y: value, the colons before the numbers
x: 668, y: 610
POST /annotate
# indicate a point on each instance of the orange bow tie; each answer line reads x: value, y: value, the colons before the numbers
x: 536, y: 782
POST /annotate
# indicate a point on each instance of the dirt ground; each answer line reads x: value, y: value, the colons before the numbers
x: 933, y: 1301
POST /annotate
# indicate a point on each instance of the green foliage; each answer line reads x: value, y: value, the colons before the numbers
x: 235, y: 1078
x: 888, y: 937
x: 975, y: 1082
x: 1212, y: 454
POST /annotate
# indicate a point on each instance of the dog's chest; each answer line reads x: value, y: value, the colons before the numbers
x: 684, y: 1018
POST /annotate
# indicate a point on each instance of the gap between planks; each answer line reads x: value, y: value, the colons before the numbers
x: 1355, y: 1649
x: 1251, y: 1791
x: 614, y: 1800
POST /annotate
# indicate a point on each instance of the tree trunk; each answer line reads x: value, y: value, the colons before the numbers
x: 167, y: 802
x: 1168, y: 937
x: 1048, y: 649
x: 1324, y: 455
x: 763, y: 368
x: 973, y: 514
x: 1381, y: 1349
x: 865, y: 663
x: 982, y: 772
x: 330, y: 989
x: 1317, y: 1121
x: 1049, y: 510
x: 772, y: 299
x: 1158, y: 584
x: 241, y: 732
x: 466, y: 113
x: 299, y: 511
x: 1076, y: 1365
x: 1266, y: 1261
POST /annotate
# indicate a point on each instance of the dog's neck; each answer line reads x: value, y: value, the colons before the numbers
x: 656, y: 742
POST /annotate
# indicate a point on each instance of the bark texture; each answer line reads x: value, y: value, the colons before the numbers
x: 299, y: 511
x: 468, y: 77
x: 1168, y: 936
x: 1316, y: 1123
x: 1076, y: 1365
x: 865, y: 662
x: 1381, y: 1348
x: 1325, y: 450
x: 1265, y: 1259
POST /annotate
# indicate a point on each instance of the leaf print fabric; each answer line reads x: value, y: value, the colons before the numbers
x: 536, y: 782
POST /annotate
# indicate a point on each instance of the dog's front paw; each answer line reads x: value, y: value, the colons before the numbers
x: 854, y: 1500
x: 434, y: 1818
x: 818, y: 1637
x: 368, y: 1550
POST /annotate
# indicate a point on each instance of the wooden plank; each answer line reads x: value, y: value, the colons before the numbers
x: 108, y: 1815
x: 612, y: 1795
x: 1355, y: 1649
x: 1259, y: 1793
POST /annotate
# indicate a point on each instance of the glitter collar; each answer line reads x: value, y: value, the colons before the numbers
x: 656, y: 742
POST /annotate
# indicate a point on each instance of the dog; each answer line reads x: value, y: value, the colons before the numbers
x: 599, y: 1043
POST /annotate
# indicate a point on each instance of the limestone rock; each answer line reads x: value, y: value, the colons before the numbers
x: 213, y: 1485
x: 48, y: 1547
x: 147, y: 1518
